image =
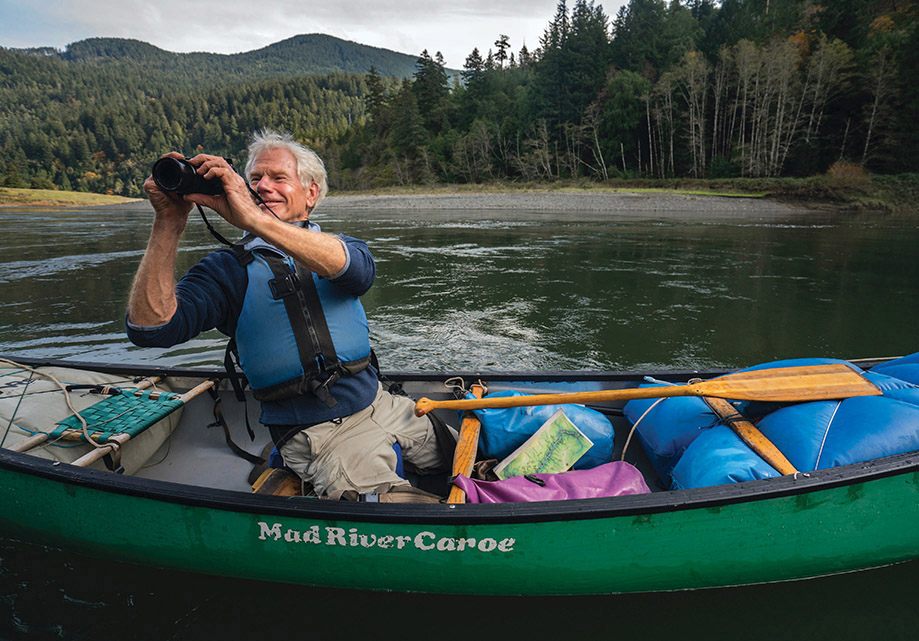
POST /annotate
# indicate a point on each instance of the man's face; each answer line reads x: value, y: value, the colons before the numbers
x: 274, y: 177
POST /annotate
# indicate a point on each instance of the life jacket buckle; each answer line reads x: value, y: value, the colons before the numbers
x: 284, y: 286
x: 331, y: 380
x: 321, y: 389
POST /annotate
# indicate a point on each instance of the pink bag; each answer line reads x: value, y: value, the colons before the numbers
x: 610, y: 479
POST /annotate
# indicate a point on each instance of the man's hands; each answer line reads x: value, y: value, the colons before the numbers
x: 278, y: 182
x: 170, y: 208
x: 235, y: 204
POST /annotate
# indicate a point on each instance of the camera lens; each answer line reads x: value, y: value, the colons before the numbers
x: 172, y: 174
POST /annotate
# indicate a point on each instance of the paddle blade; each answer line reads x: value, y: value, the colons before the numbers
x: 789, y: 384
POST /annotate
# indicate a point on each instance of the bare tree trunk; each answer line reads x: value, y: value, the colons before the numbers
x: 881, y: 75
x: 647, y: 100
x: 639, y: 157
x: 845, y: 137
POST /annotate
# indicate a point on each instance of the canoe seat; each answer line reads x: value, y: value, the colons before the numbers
x: 283, y: 482
x: 278, y: 481
x: 35, y: 412
x: 124, y: 412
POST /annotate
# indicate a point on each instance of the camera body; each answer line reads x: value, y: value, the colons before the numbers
x: 181, y: 177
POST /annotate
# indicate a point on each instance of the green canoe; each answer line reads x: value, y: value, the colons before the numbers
x: 184, y: 501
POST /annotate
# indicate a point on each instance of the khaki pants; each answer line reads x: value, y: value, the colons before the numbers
x: 355, y: 452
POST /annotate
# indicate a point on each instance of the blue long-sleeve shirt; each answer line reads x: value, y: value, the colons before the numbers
x: 211, y: 296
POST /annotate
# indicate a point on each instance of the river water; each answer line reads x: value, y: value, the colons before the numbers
x: 509, y: 289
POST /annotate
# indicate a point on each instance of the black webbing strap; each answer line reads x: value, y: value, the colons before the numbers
x: 446, y: 442
x: 237, y: 382
x: 311, y: 331
x: 311, y: 303
x: 221, y: 420
x: 286, y: 286
x: 112, y: 461
x: 230, y: 362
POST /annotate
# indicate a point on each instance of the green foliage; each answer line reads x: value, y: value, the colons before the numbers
x: 669, y: 89
x: 81, y: 119
x: 623, y: 113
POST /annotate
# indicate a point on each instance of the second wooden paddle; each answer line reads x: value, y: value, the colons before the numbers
x: 466, y: 447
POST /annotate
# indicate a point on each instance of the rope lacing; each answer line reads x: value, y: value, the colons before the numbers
x: 63, y: 388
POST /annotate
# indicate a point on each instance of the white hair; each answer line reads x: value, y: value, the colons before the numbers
x: 310, y: 167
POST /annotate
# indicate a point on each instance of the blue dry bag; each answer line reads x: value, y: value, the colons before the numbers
x: 504, y: 430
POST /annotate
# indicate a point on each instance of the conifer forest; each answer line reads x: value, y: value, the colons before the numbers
x: 661, y: 89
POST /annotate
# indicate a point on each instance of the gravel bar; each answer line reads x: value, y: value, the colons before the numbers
x: 565, y: 201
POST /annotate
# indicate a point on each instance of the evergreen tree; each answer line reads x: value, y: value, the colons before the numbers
x: 431, y: 91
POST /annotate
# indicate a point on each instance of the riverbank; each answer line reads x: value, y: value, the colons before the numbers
x: 561, y: 200
x: 846, y: 188
x: 850, y: 190
x: 621, y: 202
x: 14, y: 197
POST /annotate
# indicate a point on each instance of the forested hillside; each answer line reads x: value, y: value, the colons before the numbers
x: 95, y: 116
x: 662, y: 89
x: 699, y: 88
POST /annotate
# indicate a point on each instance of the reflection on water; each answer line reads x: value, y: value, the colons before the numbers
x: 62, y: 596
x: 513, y: 290
x: 486, y: 290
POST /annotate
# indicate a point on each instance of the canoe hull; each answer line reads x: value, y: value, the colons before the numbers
x: 785, y: 529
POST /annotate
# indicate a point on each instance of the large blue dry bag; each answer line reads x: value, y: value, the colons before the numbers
x: 667, y: 430
x: 895, y: 388
x: 670, y: 428
x: 905, y: 368
x: 826, y: 434
x: 719, y: 457
x: 504, y: 430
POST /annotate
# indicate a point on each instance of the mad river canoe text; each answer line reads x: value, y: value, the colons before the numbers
x: 353, y: 537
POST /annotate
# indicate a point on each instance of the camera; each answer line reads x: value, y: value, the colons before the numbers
x: 181, y: 177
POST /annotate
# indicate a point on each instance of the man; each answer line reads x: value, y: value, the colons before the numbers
x: 287, y: 294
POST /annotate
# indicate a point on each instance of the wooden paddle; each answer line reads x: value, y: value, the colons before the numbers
x: 782, y: 384
x: 466, y: 447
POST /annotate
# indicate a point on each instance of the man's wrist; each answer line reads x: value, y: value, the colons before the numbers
x: 169, y: 224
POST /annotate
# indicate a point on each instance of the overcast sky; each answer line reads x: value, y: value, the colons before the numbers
x: 231, y: 26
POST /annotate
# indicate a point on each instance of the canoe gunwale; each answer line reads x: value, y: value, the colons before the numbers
x: 442, y: 514
x: 473, y: 514
x: 141, y: 369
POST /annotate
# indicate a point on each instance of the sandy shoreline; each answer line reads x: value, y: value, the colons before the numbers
x: 619, y: 201
x: 595, y: 201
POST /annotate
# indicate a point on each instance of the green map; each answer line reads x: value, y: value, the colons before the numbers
x: 555, y: 447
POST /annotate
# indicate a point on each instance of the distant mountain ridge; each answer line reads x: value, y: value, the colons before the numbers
x: 308, y: 54
x: 95, y: 115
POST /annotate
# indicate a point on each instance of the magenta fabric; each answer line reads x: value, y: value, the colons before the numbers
x: 610, y: 479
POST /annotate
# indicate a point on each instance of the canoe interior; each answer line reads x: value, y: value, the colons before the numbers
x: 196, y: 452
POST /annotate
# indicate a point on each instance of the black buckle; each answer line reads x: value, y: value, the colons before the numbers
x: 284, y: 286
x: 321, y: 390
x: 330, y: 381
x: 112, y: 461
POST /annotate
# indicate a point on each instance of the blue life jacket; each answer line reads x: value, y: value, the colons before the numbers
x: 297, y: 333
